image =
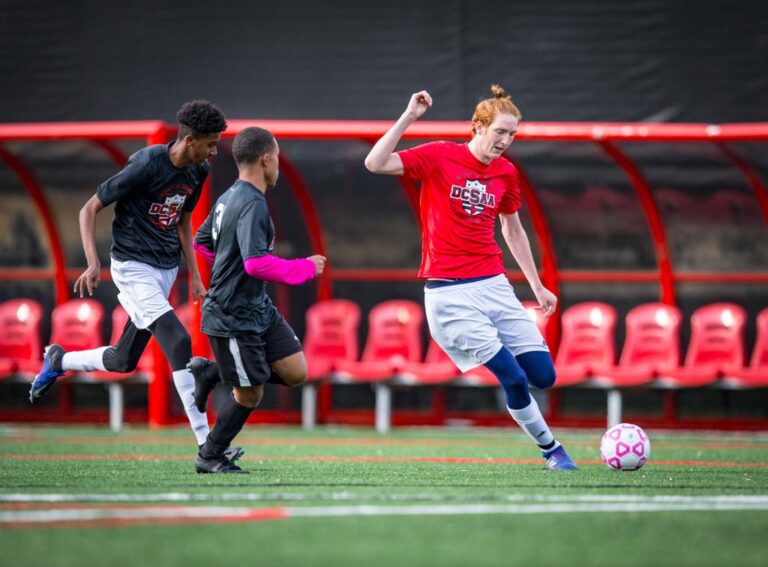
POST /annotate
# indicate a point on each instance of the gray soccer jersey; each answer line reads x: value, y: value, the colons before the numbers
x: 238, y: 228
x: 150, y: 194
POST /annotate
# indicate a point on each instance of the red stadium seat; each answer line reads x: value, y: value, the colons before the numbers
x: 717, y: 343
x: 587, y: 342
x: 652, y: 347
x: 394, y: 337
x: 20, y: 344
x: 331, y: 335
x: 756, y: 374
x: 77, y: 324
x: 437, y: 368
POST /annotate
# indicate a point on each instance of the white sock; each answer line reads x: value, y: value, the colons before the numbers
x: 85, y: 360
x: 185, y: 386
x: 532, y: 422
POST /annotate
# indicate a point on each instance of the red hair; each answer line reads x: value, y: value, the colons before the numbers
x: 487, y: 109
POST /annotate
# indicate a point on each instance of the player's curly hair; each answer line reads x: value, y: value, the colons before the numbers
x: 251, y: 143
x: 200, y: 118
x: 487, y: 109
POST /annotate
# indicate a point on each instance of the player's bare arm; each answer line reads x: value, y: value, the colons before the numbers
x: 520, y: 247
x: 184, y: 230
x: 381, y: 158
x: 89, y: 279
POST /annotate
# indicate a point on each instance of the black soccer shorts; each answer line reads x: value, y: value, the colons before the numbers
x: 244, y: 360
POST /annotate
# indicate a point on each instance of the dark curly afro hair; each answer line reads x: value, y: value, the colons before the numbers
x: 200, y: 118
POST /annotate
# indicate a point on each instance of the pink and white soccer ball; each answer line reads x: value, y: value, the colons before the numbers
x: 625, y: 447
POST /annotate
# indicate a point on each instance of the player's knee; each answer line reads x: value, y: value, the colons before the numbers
x: 546, y: 379
x: 249, y: 397
x: 117, y: 361
x: 539, y: 368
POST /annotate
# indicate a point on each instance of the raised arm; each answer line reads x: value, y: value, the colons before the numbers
x: 381, y: 158
x: 520, y: 247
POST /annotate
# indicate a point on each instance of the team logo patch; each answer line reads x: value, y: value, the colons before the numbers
x: 473, y: 196
x: 165, y: 213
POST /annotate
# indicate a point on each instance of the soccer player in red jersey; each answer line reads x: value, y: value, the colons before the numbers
x: 472, y: 310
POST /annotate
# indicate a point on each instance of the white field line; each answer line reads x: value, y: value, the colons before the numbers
x: 91, y: 514
x: 183, y: 497
x: 245, y: 514
x: 451, y: 510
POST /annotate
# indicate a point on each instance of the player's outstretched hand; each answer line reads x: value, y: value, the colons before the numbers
x: 88, y: 281
x: 319, y: 263
x: 547, y: 301
x: 420, y: 102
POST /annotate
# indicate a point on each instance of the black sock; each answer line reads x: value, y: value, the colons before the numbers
x: 230, y: 420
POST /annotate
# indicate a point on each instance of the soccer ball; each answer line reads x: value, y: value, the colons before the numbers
x: 625, y: 447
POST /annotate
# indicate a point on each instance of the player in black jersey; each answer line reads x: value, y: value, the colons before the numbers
x: 154, y: 196
x: 252, y: 342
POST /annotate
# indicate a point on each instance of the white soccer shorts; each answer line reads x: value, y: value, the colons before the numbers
x: 144, y: 290
x: 472, y: 321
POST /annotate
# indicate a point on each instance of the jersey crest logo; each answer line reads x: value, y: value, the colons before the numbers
x: 473, y: 196
x: 165, y: 214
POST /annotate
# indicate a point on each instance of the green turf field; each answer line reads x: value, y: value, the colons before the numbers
x: 336, y: 497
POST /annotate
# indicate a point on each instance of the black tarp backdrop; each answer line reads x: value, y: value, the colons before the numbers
x: 650, y: 60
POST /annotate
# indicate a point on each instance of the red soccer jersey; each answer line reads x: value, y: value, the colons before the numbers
x: 460, y: 198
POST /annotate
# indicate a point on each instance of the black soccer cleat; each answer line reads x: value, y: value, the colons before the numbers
x: 233, y: 453
x: 216, y: 465
x: 46, y: 378
x: 204, y: 385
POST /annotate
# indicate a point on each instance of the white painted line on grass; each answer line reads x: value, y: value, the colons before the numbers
x: 180, y: 514
x: 346, y: 496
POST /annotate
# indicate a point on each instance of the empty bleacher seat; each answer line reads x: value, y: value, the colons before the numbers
x: 756, y: 374
x: 587, y: 342
x: 394, y: 338
x: 651, y: 347
x: 717, y: 343
x: 20, y: 345
x: 77, y: 324
x: 330, y: 336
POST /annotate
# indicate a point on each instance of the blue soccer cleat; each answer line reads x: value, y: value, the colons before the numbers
x: 558, y: 460
x: 47, y: 375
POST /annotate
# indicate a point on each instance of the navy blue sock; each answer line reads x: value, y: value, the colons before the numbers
x: 538, y: 367
x: 511, y: 377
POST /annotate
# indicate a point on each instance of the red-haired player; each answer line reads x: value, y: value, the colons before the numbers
x: 471, y: 308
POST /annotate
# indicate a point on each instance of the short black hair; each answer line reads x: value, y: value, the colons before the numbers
x: 200, y: 118
x: 252, y: 143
